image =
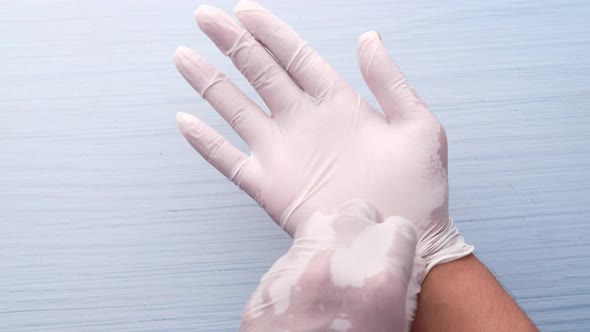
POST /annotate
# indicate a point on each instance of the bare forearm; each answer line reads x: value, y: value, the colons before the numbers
x: 463, y: 295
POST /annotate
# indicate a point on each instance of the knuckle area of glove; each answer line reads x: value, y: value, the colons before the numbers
x: 245, y: 52
x: 237, y: 116
x: 300, y: 57
x: 214, y: 148
x: 381, y: 288
x: 261, y: 77
x: 322, y: 270
x: 207, y: 86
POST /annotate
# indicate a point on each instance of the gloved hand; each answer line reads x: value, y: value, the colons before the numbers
x: 323, y: 144
x: 344, y: 272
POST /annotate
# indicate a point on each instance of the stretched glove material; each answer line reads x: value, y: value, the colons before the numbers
x: 322, y: 144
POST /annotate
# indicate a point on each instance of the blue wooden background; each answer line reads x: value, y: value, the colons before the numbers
x: 110, y: 222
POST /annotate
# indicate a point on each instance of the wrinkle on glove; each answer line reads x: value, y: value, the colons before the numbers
x: 322, y: 144
x: 344, y: 272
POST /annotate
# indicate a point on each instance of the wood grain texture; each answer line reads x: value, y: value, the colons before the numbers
x: 110, y: 222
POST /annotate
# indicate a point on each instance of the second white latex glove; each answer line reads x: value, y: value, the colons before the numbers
x: 323, y: 145
x: 344, y: 272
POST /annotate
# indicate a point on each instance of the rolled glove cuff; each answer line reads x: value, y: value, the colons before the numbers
x: 441, y: 244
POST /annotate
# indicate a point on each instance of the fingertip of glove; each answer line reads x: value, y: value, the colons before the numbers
x: 181, y: 118
x: 184, y: 121
x: 183, y: 58
x: 180, y: 52
x: 246, y: 5
x: 205, y: 11
x: 370, y: 36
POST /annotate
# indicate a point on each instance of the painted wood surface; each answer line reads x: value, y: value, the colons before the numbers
x: 110, y: 222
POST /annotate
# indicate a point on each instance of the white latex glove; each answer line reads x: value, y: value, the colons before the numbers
x: 344, y: 272
x: 323, y: 144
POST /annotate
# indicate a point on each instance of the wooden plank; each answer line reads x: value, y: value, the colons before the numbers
x: 109, y: 220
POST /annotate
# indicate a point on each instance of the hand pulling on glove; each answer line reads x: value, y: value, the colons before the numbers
x: 344, y: 272
x: 322, y: 145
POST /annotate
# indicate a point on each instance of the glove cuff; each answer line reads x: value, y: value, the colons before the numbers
x: 441, y: 243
